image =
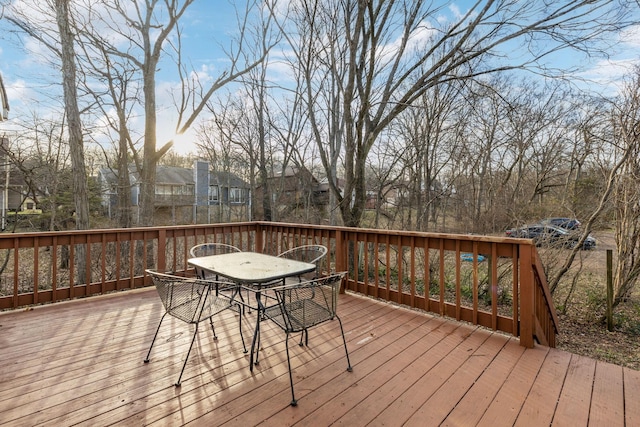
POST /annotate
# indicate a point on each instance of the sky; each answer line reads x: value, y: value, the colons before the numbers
x: 208, y: 24
x: 27, y: 78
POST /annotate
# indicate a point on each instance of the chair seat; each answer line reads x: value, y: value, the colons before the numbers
x: 187, y: 302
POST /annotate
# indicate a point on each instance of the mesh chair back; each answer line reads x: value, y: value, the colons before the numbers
x: 306, y: 304
x: 189, y: 299
x: 206, y: 249
x: 313, y: 254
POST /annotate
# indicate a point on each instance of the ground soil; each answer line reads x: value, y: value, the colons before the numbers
x: 594, y: 340
x: 581, y: 310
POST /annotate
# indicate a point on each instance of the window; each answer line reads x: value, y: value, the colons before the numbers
x: 163, y: 190
x: 175, y: 190
x: 235, y: 195
x: 213, y: 193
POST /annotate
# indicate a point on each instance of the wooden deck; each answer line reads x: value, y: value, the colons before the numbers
x: 80, y: 363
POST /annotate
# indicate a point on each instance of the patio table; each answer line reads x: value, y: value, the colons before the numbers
x: 255, y: 271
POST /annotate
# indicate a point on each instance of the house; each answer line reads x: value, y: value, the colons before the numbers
x: 16, y: 195
x: 400, y: 193
x: 296, y: 195
x: 185, y: 192
x: 391, y: 195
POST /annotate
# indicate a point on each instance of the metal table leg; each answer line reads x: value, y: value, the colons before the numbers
x: 255, y: 343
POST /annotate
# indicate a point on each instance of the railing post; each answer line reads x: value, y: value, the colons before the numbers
x: 259, y: 241
x: 527, y: 296
x: 162, y: 250
x: 341, y: 264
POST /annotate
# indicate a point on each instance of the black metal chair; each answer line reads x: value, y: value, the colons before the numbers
x: 191, y: 300
x: 304, y: 305
x: 206, y: 249
x: 313, y: 254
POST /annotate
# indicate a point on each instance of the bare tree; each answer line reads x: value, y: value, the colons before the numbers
x: 222, y: 141
x: 76, y: 145
x: 384, y: 55
x: 57, y: 35
x: 152, y: 33
x: 60, y: 41
x: 39, y: 155
x: 115, y: 91
x: 621, y: 147
x: 385, y: 174
x: 627, y: 198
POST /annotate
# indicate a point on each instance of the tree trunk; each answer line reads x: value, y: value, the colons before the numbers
x: 76, y: 146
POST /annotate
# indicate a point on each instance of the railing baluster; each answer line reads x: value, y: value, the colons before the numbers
x: 531, y: 310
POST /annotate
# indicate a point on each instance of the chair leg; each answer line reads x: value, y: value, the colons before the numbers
x: 215, y: 337
x: 146, y: 360
x: 187, y: 357
x: 344, y: 341
x: 294, y: 402
x: 304, y: 335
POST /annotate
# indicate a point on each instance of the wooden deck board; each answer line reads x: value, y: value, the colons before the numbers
x: 377, y: 376
x: 437, y: 407
x: 575, y: 397
x: 508, y: 402
x: 443, y: 362
x: 540, y: 404
x: 482, y: 392
x: 607, y: 406
x: 80, y: 363
x: 631, y: 393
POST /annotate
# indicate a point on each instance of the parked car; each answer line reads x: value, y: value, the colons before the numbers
x: 568, y: 223
x: 550, y: 235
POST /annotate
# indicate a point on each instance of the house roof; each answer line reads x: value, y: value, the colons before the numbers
x: 164, y: 175
x: 293, y: 171
x: 173, y: 175
x: 226, y: 179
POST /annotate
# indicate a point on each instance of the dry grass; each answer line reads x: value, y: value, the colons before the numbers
x: 581, y: 305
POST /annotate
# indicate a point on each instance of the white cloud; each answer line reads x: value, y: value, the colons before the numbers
x: 608, y: 74
x: 455, y: 10
x: 612, y: 69
x: 631, y: 36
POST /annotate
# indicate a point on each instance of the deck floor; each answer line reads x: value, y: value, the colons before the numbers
x: 81, y: 363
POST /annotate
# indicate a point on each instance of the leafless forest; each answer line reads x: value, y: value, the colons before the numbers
x: 470, y: 124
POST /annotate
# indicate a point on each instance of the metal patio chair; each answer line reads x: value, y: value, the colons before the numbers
x: 192, y: 301
x: 205, y: 249
x: 304, y: 305
x: 313, y: 254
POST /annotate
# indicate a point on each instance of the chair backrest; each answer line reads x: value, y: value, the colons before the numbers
x: 186, y: 298
x: 313, y: 254
x: 205, y: 249
x: 306, y: 304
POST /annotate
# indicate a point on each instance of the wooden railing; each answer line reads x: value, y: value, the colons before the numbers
x: 494, y: 282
